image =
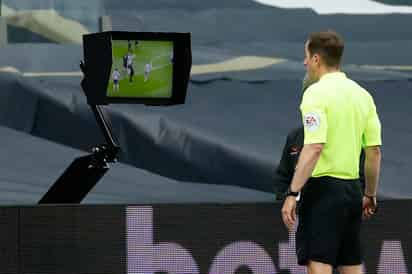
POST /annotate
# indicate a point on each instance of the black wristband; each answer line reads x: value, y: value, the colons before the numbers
x: 289, y: 192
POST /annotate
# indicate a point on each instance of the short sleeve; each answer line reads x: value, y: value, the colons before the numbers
x: 314, y: 117
x: 372, y: 132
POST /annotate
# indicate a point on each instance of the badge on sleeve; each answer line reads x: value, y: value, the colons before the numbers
x: 311, y: 121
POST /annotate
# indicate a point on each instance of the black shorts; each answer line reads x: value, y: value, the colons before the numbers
x: 330, y: 216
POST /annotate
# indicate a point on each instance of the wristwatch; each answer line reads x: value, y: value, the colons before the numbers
x: 369, y: 196
x: 289, y: 192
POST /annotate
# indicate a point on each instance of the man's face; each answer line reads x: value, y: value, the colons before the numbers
x: 311, y: 64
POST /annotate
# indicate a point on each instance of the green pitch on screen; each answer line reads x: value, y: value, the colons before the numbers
x: 137, y: 80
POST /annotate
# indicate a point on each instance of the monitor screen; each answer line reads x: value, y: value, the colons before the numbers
x: 151, y: 68
x: 141, y: 69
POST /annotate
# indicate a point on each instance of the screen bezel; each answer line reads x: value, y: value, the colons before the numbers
x: 98, y: 60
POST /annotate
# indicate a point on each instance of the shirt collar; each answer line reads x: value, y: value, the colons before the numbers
x: 333, y: 75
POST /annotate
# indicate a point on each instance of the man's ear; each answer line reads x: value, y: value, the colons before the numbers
x: 316, y: 57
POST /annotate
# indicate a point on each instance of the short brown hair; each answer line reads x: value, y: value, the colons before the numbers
x: 327, y: 44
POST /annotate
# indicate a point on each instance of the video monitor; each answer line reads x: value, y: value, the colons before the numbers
x: 136, y: 67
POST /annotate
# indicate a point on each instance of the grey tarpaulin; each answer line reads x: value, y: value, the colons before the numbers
x: 228, y: 133
x: 237, y: 115
x: 29, y: 166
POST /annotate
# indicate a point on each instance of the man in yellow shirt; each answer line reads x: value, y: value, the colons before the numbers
x: 339, y: 119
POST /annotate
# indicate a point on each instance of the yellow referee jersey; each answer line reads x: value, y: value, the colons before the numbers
x: 342, y: 115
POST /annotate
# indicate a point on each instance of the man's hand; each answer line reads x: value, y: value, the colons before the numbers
x: 369, y: 206
x: 289, y: 212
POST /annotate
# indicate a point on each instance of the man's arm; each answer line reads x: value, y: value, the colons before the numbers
x: 284, y: 172
x: 372, y: 169
x: 372, y: 141
x: 315, y: 124
x: 306, y: 164
x: 288, y: 161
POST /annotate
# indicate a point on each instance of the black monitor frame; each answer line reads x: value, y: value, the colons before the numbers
x: 98, y: 63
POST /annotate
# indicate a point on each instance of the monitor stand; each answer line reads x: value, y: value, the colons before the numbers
x: 84, y: 172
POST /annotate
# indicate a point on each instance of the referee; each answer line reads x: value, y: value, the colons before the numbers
x: 339, y: 119
x: 290, y: 155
